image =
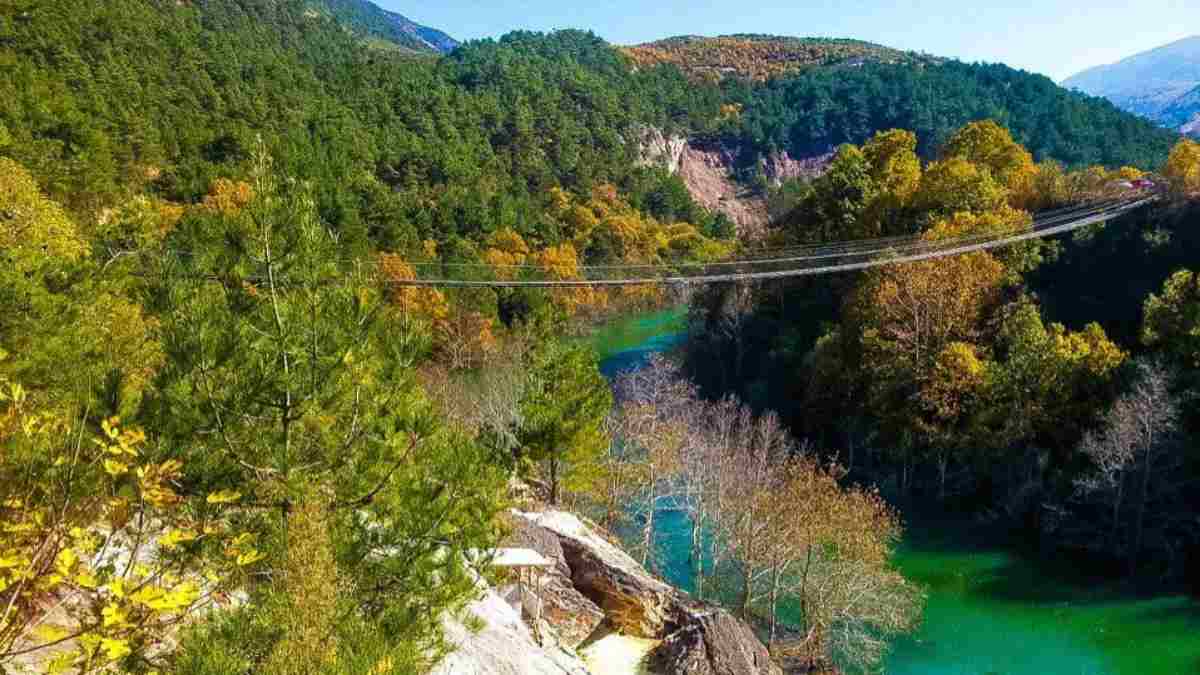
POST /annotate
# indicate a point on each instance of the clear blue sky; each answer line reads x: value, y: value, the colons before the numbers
x: 1057, y: 38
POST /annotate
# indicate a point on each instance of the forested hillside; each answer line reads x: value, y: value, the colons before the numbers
x: 994, y: 382
x: 807, y: 96
x: 235, y: 438
x: 821, y: 108
x: 1184, y: 112
x: 760, y: 57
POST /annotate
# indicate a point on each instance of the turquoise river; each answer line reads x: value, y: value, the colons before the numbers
x: 993, y: 609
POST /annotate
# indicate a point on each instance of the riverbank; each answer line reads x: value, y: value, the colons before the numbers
x: 993, y: 608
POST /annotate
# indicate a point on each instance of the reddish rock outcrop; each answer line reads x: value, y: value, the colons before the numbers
x: 708, y: 170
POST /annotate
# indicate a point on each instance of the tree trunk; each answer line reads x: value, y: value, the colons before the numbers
x: 1139, y: 525
x: 648, y: 534
x: 1116, y: 525
x: 774, y: 606
x: 744, y: 598
x: 850, y: 452
x: 943, y: 460
x: 553, y: 480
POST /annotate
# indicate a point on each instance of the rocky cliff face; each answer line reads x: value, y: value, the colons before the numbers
x: 593, y: 591
x: 712, y: 642
x: 633, y: 602
x: 693, y: 637
x: 503, y: 646
x: 708, y: 170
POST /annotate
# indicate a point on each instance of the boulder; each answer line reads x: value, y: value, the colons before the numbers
x: 710, y: 641
x: 634, y: 602
x: 572, y: 615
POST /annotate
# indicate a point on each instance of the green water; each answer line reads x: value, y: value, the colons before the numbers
x: 626, y: 343
x: 992, y: 609
x: 995, y: 609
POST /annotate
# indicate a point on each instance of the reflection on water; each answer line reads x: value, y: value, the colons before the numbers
x: 991, y: 610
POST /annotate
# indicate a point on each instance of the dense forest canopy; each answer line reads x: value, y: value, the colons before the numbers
x: 1010, y: 382
x: 821, y: 108
x: 760, y: 57
x: 209, y: 349
x: 102, y: 96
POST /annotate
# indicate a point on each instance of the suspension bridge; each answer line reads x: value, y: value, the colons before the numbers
x: 780, y: 263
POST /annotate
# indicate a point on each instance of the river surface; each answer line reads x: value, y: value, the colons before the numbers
x: 993, y: 609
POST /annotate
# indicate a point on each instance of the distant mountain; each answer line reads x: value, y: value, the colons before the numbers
x: 1184, y: 112
x: 374, y: 22
x: 1162, y: 84
x: 760, y: 57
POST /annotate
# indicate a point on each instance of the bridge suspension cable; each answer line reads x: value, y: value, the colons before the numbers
x: 795, y: 261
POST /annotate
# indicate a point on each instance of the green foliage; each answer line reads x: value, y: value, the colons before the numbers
x: 1172, y: 319
x: 69, y: 329
x: 943, y: 365
x: 105, y: 96
x: 563, y: 409
x: 839, y: 200
x: 289, y: 379
x: 816, y: 109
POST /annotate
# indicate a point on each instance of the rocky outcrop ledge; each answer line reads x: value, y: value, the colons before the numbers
x: 595, y: 584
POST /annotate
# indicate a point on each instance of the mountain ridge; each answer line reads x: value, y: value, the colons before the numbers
x: 372, y: 21
x: 1161, y: 84
x: 760, y: 57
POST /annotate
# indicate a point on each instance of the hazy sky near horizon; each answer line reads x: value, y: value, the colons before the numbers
x: 1055, y: 37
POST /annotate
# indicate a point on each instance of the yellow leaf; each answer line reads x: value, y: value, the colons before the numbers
x: 115, y: 649
x: 242, y: 539
x: 147, y: 595
x: 87, y: 580
x: 66, y: 560
x: 115, y: 468
x: 249, y: 558
x: 224, y: 497
x: 113, y: 615
x: 49, y: 633
x: 174, y: 538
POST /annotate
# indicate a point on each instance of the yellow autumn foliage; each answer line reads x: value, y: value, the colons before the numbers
x: 228, y: 197
x: 990, y: 145
x: 36, y: 234
x: 423, y: 303
x: 64, y: 513
x: 1183, y: 167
